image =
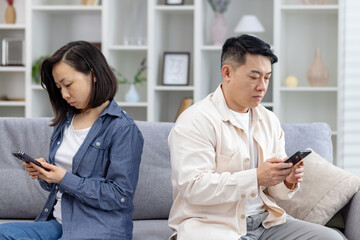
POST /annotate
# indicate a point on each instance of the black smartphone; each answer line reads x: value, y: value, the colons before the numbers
x: 26, y: 158
x: 298, y: 156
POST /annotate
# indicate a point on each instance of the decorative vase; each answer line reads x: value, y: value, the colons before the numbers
x: 317, y: 74
x: 10, y: 15
x: 132, y: 95
x: 219, y: 29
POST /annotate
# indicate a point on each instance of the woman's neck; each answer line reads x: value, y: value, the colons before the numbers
x: 86, y: 119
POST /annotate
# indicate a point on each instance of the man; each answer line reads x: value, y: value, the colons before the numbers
x: 227, y: 156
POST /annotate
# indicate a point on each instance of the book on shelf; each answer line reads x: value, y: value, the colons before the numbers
x: 185, y: 103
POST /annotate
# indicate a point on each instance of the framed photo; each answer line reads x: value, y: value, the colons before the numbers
x: 174, y: 2
x: 176, y: 68
x: 13, y: 52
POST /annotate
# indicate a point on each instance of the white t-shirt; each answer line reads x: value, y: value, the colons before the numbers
x: 252, y: 205
x: 71, y: 143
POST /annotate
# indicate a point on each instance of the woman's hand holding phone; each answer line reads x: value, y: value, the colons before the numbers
x: 55, y: 175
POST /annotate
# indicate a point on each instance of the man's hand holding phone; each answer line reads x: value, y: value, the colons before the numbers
x: 297, y: 171
x: 275, y: 170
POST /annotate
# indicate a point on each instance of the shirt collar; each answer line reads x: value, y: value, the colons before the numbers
x: 219, y: 102
x: 111, y: 109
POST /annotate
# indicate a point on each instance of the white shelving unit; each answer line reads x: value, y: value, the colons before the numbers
x: 125, y: 45
x: 131, y: 30
x: 299, y: 29
x: 12, y: 78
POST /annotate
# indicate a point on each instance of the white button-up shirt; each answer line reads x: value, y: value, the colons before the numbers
x: 210, y: 170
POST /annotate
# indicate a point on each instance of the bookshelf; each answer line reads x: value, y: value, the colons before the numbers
x: 292, y: 29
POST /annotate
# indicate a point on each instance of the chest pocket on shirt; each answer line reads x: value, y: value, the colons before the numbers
x: 92, y: 164
x: 231, y: 164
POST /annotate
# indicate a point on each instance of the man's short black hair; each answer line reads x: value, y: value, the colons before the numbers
x: 235, y: 48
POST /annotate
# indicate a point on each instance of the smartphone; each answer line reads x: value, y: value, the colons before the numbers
x: 26, y: 158
x: 298, y: 156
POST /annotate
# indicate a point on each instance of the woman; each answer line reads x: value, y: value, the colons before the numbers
x: 95, y: 153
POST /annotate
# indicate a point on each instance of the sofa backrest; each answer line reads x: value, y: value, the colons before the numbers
x: 153, y: 197
x: 315, y: 135
x: 21, y: 197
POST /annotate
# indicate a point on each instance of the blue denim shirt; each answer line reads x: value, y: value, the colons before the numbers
x: 97, y: 196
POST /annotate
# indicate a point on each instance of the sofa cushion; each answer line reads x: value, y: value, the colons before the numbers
x: 151, y: 230
x: 153, y: 196
x: 325, y: 190
x: 20, y: 196
x: 309, y: 135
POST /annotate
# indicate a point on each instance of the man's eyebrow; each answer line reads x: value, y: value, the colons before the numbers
x: 258, y: 72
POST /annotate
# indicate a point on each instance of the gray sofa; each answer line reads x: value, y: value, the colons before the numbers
x: 22, y: 198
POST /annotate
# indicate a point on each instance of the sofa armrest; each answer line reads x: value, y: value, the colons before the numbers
x: 351, y: 213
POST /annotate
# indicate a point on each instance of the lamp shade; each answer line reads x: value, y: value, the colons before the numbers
x: 249, y: 24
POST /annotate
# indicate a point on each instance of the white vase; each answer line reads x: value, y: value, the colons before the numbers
x: 219, y: 29
x: 132, y: 95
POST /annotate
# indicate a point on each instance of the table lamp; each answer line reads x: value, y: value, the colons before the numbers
x: 249, y: 24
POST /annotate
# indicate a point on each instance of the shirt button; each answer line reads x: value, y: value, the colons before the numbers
x: 253, y: 195
x: 46, y: 210
x: 56, y: 187
x: 122, y: 199
x: 97, y: 144
x: 243, y: 196
x: 58, y: 143
x: 242, y: 216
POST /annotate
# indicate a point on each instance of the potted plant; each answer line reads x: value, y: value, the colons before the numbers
x: 139, y: 78
x: 35, y: 71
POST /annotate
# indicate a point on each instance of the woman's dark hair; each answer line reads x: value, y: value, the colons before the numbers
x: 86, y: 58
x: 235, y: 48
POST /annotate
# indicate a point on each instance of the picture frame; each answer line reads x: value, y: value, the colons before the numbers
x: 174, y: 2
x: 13, y: 52
x: 176, y: 66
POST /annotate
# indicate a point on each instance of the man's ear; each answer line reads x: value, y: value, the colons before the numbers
x: 226, y: 72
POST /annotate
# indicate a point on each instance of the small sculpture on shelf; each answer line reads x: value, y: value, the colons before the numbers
x: 10, y: 13
x: 219, y: 26
x: 140, y: 77
x: 291, y: 81
x: 314, y: 1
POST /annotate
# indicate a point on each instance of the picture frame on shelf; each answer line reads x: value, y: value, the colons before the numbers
x: 176, y: 67
x: 13, y: 52
x: 174, y: 2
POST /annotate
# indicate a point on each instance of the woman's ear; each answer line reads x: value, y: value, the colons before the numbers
x: 226, y: 72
